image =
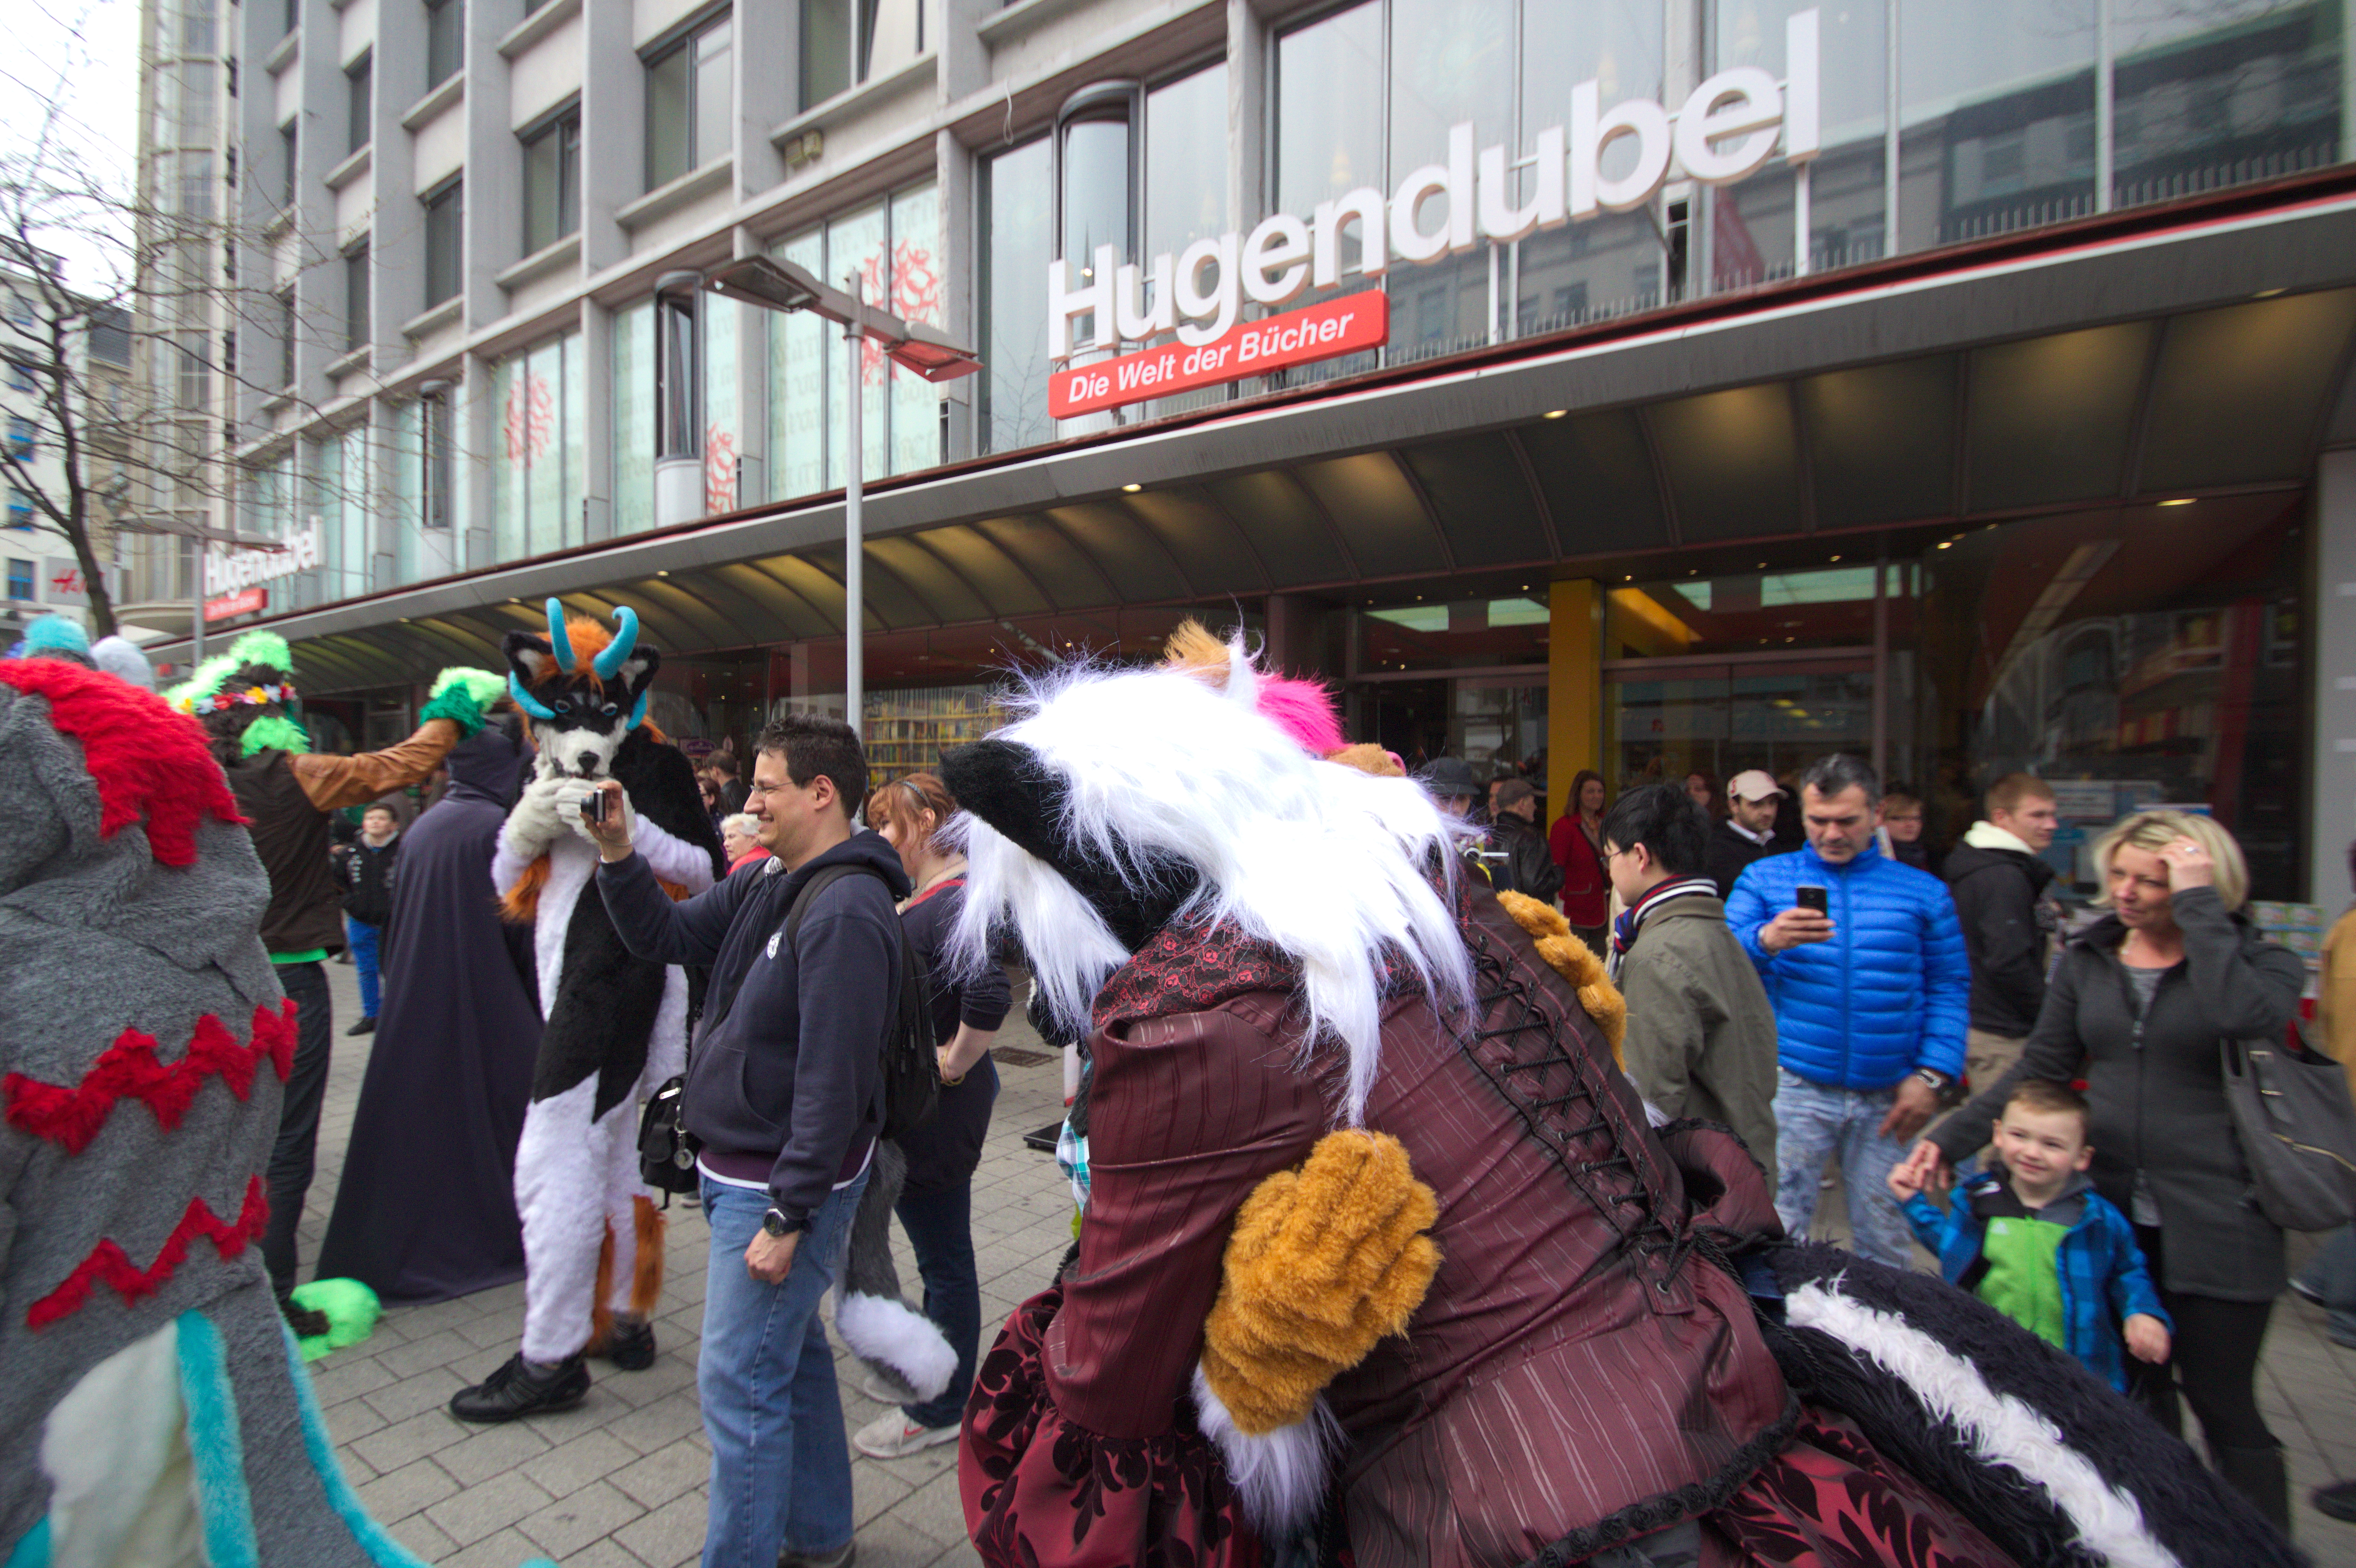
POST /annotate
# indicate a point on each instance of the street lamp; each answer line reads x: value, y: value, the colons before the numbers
x: 773, y: 284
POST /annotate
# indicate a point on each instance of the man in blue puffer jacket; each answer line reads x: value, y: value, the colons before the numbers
x: 1871, y: 999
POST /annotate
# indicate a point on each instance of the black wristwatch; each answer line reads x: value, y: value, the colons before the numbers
x: 776, y: 1224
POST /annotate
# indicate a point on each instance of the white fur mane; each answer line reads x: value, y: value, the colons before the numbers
x: 1325, y: 863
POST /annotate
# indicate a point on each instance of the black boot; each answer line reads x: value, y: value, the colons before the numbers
x: 630, y: 1345
x: 365, y: 1026
x: 2258, y: 1475
x: 519, y: 1389
x: 2336, y: 1500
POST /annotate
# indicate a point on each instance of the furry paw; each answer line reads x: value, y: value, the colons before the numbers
x: 534, y: 824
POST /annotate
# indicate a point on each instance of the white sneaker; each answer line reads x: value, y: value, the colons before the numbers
x: 892, y: 1435
x: 883, y: 1390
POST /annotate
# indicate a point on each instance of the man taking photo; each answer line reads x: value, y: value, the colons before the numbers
x: 785, y: 1091
x: 1998, y: 883
x: 1863, y: 964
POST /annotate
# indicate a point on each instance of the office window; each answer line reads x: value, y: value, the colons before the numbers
x: 359, y: 96
x: 356, y: 299
x: 446, y: 40
x: 444, y: 211
x: 195, y: 372
x: 438, y: 474
x: 197, y: 27
x: 20, y: 515
x: 552, y: 182
x: 20, y: 436
x: 20, y: 572
x: 195, y: 104
x: 289, y: 151
x: 293, y: 14
x: 196, y: 186
x: 1018, y: 205
x: 690, y: 102
x: 848, y: 41
x: 678, y: 427
x: 286, y: 339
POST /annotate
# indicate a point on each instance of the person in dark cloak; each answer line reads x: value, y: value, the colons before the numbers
x: 426, y: 1207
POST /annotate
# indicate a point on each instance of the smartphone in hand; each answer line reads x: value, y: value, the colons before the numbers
x: 1812, y: 898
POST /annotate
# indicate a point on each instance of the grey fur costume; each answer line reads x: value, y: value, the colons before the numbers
x: 154, y: 1403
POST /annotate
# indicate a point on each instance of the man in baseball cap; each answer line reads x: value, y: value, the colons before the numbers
x: 1748, y: 830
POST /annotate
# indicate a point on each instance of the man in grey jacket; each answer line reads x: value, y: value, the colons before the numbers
x: 1702, y: 1033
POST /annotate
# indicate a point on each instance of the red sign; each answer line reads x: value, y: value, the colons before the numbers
x: 244, y: 603
x: 1349, y: 324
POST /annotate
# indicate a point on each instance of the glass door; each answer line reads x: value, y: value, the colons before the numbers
x: 1666, y: 718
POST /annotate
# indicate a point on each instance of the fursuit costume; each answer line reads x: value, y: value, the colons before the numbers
x: 242, y: 699
x: 615, y: 1027
x: 152, y: 1410
x: 1382, y: 1254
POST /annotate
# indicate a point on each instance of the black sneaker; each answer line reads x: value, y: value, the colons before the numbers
x: 307, y: 1322
x: 842, y: 1557
x: 518, y: 1389
x: 366, y: 1026
x: 2338, y: 1500
x: 629, y: 1346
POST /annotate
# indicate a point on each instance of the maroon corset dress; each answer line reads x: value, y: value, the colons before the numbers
x: 1578, y: 1374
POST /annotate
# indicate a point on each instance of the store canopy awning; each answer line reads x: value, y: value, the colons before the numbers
x: 2202, y: 351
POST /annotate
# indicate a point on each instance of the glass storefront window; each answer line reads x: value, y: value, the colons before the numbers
x: 1811, y: 607
x: 2129, y: 658
x: 1997, y: 116
x: 1466, y: 633
x: 1610, y: 264
x: 893, y: 248
x: 535, y: 481
x: 720, y: 404
x: 1746, y: 233
x: 634, y: 417
x: 2218, y: 92
x: 1452, y: 62
x: 1017, y: 201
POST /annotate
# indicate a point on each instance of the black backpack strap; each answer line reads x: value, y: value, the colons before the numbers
x: 809, y: 893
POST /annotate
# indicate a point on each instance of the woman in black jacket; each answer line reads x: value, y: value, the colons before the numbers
x: 936, y: 1204
x: 2141, y: 1003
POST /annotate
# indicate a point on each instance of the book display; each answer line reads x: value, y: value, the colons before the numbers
x: 907, y: 731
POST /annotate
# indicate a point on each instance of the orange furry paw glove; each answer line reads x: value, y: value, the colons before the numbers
x: 1570, y: 957
x: 1325, y: 1262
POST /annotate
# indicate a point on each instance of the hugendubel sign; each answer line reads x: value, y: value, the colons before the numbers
x: 264, y: 561
x: 1726, y: 130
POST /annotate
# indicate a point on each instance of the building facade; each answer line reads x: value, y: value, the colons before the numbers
x: 1728, y: 380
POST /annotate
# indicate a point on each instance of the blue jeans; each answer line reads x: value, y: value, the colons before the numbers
x: 362, y: 937
x: 780, y: 1464
x: 1813, y: 1120
x: 2333, y: 1276
x: 940, y: 1227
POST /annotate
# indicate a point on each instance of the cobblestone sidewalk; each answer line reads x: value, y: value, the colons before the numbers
x: 619, y: 1482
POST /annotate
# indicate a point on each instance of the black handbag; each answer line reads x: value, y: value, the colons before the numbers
x: 2297, y: 1129
x: 667, y: 1151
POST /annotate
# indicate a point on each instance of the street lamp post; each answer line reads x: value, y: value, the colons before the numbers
x: 772, y: 284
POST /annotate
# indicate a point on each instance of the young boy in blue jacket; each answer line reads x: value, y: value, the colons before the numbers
x: 2034, y: 1240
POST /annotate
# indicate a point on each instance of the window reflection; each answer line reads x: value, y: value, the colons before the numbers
x: 1016, y: 197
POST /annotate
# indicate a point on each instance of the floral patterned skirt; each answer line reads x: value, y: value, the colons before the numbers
x: 1040, y: 1492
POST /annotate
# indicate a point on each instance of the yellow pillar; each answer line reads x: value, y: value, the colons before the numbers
x: 1574, y: 686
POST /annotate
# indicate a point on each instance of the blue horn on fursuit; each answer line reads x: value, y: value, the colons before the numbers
x: 608, y: 663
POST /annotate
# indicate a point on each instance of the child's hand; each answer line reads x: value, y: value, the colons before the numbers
x: 2146, y: 1337
x: 1905, y: 1183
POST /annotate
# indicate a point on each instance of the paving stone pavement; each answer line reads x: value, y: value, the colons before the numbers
x: 619, y: 1482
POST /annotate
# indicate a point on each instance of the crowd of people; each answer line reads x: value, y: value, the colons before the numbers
x: 1840, y: 1005
x: 584, y: 922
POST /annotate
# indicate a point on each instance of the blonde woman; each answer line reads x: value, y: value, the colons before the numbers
x: 2138, y: 1006
x: 935, y: 1206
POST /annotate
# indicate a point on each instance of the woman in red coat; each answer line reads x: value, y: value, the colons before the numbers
x: 1576, y: 841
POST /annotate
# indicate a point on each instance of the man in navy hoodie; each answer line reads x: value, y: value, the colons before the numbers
x: 1870, y: 999
x: 785, y: 1092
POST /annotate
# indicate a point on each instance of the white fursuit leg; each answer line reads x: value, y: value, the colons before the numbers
x: 883, y: 1329
x: 562, y: 1176
x: 1280, y: 1475
x: 2001, y: 1429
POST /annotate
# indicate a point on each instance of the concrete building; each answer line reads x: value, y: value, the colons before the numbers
x: 1734, y: 380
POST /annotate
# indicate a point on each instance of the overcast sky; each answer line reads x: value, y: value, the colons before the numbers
x: 83, y: 56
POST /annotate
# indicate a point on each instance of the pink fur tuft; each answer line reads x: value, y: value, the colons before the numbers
x: 1303, y: 709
